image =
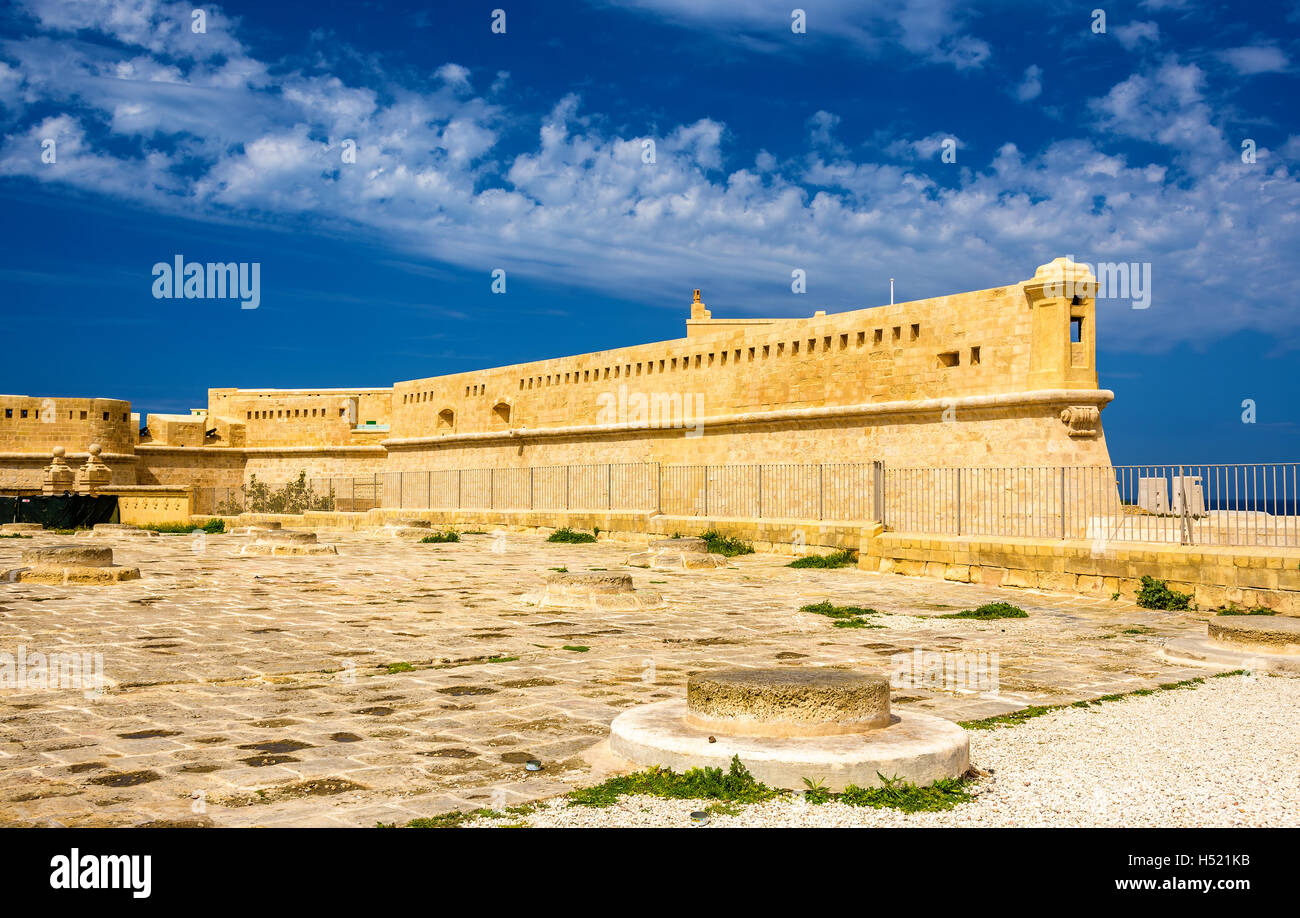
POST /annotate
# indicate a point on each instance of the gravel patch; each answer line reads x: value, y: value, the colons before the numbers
x: 1225, y: 753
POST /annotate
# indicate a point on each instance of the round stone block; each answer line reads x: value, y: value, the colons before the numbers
x: 687, y: 544
x: 574, y: 584
x: 787, y: 702
x: 66, y: 564
x: 677, y: 555
x: 63, y: 555
x: 294, y: 536
x: 22, y: 527
x: 597, y: 590
x: 1267, y: 633
x: 919, y: 748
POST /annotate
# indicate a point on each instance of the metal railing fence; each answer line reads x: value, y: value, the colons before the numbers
x: 1245, y: 504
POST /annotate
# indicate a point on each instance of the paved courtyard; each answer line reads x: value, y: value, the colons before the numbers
x: 400, y: 679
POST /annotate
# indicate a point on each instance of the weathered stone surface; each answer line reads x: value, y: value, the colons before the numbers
x: 677, y: 554
x: 919, y: 748
x: 246, y: 650
x: 296, y: 536
x: 580, y: 584
x: 1271, y: 634
x: 81, y: 555
x: 21, y: 527
x: 609, y: 591
x: 65, y: 564
x: 788, y: 702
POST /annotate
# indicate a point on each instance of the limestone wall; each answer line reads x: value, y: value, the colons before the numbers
x: 37, y: 424
x: 1251, y: 577
x: 305, y: 417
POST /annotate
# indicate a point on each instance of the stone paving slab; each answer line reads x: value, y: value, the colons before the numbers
x: 397, y: 679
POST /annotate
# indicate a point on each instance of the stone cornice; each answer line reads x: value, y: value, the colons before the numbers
x: 1046, y: 397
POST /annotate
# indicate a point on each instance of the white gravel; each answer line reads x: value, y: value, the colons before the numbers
x: 1226, y: 753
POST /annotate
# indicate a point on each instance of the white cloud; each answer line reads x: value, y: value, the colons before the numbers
x: 1253, y: 59
x: 454, y: 74
x: 1133, y: 34
x: 1031, y: 84
x: 934, y: 30
x: 579, y: 206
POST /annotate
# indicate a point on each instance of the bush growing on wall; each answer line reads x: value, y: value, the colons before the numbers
x: 294, y: 497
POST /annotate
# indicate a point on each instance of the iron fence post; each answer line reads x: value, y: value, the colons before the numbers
x: 1062, y: 486
x: 958, y: 500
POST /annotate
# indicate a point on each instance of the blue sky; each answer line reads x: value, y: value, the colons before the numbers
x: 523, y: 151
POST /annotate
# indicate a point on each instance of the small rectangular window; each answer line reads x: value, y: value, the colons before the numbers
x: 974, y: 356
x: 916, y: 332
x: 949, y: 359
x: 880, y: 336
x: 1076, y: 329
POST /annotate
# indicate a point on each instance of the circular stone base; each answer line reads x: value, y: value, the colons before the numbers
x: 677, y: 555
x: 21, y: 527
x: 409, y: 533
x: 1204, y: 652
x: 1256, y: 633
x: 609, y: 592
x: 787, y: 702
x: 68, y: 555
x: 919, y: 748
x: 54, y: 574
x: 267, y: 549
x: 117, y: 532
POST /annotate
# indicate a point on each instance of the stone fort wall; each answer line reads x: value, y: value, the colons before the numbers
x: 1003, y: 376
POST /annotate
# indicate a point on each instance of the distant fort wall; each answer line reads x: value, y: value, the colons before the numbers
x: 1003, y: 376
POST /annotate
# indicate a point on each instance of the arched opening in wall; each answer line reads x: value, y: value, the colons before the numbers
x: 446, y: 419
x: 502, y: 412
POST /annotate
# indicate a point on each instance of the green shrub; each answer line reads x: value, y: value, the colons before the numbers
x: 845, y: 557
x: 845, y: 616
x: 296, y: 496
x: 719, y: 544
x: 213, y: 526
x: 735, y: 784
x: 449, y: 536
x: 990, y: 611
x: 571, y: 536
x: 1155, y: 595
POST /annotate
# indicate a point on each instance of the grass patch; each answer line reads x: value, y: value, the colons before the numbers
x: 212, y: 526
x: 13, y: 535
x: 845, y: 557
x: 1235, y: 610
x: 576, y: 648
x: 399, y: 668
x: 845, y: 616
x: 561, y: 570
x: 449, y: 536
x: 1155, y: 595
x: 897, y: 794
x: 990, y: 611
x: 1016, y: 718
x: 570, y: 536
x: 718, y: 544
x: 501, y: 659
x: 736, y: 785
